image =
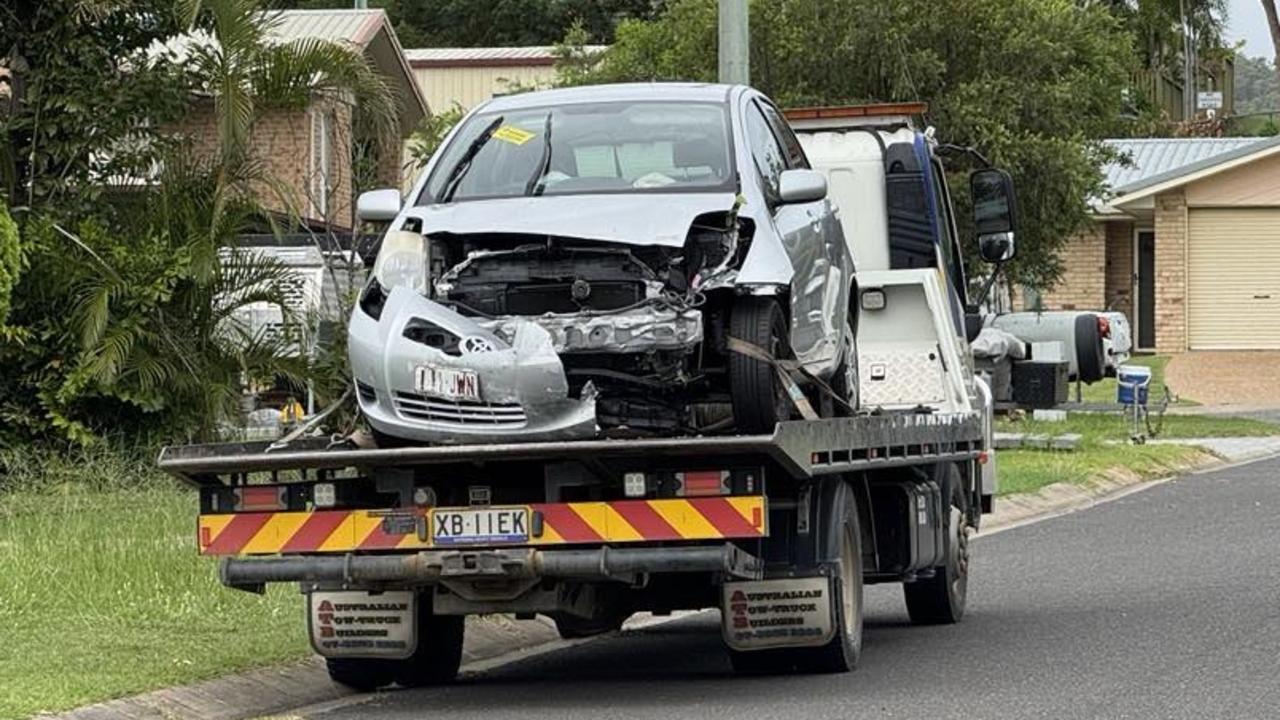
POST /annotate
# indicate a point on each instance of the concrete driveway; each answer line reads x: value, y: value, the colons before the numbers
x: 1244, y: 379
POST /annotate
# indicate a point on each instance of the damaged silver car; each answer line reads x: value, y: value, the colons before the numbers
x: 652, y: 259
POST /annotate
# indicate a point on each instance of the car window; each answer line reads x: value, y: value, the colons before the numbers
x: 795, y: 154
x: 768, y: 154
x: 617, y: 147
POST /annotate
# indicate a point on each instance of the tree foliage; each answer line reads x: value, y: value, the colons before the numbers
x: 1031, y: 83
x: 1257, y: 89
x: 10, y: 261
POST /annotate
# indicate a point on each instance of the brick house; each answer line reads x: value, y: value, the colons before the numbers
x: 1186, y: 244
x: 310, y: 152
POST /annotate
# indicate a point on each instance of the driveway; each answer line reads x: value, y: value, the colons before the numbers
x: 1160, y: 604
x: 1246, y: 379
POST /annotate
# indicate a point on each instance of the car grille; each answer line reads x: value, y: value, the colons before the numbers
x: 461, y: 412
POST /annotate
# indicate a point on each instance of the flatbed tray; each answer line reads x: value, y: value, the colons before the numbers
x: 804, y: 447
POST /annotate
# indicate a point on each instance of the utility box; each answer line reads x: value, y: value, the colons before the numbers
x: 1040, y: 384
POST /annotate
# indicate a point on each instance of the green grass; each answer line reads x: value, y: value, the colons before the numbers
x: 1029, y: 470
x: 103, y: 594
x: 1104, y: 391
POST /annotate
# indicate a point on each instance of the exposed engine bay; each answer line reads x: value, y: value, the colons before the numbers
x: 546, y: 337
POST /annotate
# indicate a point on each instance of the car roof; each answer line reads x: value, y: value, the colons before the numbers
x: 621, y: 92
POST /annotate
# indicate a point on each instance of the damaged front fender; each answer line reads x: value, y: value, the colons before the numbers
x: 522, y: 390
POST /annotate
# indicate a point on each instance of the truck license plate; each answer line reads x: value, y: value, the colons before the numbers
x: 480, y: 526
x: 447, y: 383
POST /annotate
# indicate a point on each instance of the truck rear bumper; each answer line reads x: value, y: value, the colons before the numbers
x: 434, y: 566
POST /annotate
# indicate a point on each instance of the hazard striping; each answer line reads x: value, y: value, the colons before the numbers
x: 622, y: 521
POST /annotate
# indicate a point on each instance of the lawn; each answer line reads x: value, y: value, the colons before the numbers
x: 1104, y: 391
x: 103, y: 594
x: 1099, y: 453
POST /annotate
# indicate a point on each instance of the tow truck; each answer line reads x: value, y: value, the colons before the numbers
x: 780, y: 531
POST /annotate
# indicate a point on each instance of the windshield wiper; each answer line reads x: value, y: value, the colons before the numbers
x: 535, y: 186
x: 452, y: 182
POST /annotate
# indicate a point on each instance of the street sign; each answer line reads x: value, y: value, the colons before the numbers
x: 1209, y: 100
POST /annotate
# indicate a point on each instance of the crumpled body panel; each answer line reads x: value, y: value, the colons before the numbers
x: 522, y: 385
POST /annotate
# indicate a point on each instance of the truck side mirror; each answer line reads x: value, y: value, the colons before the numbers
x: 378, y: 205
x: 994, y: 214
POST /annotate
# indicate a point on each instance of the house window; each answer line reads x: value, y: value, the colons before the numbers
x: 321, y: 161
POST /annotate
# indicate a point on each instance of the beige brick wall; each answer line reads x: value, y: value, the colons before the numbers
x: 1120, y: 267
x: 1171, y: 271
x: 1082, y: 285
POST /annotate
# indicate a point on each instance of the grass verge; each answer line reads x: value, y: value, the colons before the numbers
x: 1104, y: 391
x: 1099, y: 454
x: 104, y: 596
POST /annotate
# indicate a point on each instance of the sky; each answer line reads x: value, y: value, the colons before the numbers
x: 1246, y: 21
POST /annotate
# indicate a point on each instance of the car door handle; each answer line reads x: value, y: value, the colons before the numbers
x: 1261, y: 297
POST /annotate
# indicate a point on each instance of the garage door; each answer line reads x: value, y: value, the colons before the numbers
x: 1234, y: 284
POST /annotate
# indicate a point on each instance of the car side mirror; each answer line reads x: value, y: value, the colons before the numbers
x: 378, y: 205
x: 801, y: 186
x: 994, y: 214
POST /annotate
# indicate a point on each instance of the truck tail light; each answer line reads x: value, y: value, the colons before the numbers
x: 258, y: 498
x: 701, y: 483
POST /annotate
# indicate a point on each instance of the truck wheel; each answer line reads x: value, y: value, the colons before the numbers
x: 760, y: 400
x: 841, y: 547
x: 439, y: 653
x: 940, y: 600
x: 361, y: 674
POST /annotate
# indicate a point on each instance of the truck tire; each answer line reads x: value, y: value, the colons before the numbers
x: 840, y: 547
x: 760, y: 400
x: 361, y: 674
x: 439, y: 653
x: 940, y: 600
x: 1091, y: 363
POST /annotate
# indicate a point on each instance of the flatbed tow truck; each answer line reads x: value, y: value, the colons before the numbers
x: 393, y: 547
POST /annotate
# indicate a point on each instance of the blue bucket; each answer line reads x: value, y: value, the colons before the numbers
x: 1132, y: 384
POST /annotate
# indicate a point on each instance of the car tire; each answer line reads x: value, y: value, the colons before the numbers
x: 760, y: 400
x: 941, y: 599
x: 1091, y: 364
x: 845, y: 380
x: 843, y: 544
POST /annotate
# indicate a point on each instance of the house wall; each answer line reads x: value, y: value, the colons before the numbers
x: 470, y: 86
x: 285, y: 142
x: 1082, y: 285
x: 1252, y: 184
x: 1119, y: 276
x: 1171, y: 271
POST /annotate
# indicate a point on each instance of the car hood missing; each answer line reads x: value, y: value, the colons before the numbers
x: 631, y: 219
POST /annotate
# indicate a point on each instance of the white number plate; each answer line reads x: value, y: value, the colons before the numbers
x: 480, y: 526
x: 446, y: 382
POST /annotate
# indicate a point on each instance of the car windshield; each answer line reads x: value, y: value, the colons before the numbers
x: 623, y: 147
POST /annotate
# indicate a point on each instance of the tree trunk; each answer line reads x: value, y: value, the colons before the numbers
x: 1273, y: 22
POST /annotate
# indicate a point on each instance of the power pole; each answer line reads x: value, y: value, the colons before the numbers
x: 735, y: 43
x: 361, y: 4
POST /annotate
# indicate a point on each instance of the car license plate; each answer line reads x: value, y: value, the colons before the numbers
x: 472, y: 526
x: 447, y: 382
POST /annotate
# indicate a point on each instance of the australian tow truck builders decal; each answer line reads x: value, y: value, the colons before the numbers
x: 361, y: 624
x: 789, y: 612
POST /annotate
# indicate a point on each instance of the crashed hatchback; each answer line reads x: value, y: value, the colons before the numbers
x: 652, y: 259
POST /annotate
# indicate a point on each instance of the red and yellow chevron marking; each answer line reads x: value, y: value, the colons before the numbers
x: 622, y: 521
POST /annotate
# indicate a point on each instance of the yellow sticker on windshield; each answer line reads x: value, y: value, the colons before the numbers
x: 513, y: 135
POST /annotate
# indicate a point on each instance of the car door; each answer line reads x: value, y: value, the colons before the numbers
x: 813, y: 240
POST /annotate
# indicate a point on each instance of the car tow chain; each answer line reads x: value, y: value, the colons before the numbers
x: 785, y: 370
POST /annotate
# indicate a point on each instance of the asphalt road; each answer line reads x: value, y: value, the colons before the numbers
x: 1162, y: 604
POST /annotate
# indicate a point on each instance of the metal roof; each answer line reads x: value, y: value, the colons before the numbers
x: 354, y: 26
x: 1156, y: 160
x: 487, y: 56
